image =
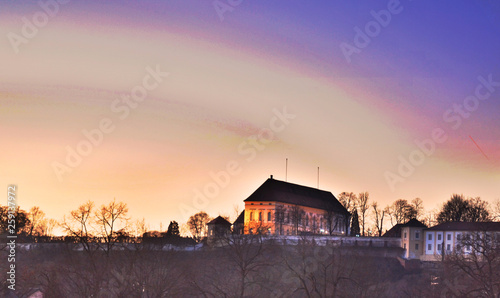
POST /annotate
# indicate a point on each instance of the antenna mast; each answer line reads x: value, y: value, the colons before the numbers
x: 318, y: 177
x: 286, y: 170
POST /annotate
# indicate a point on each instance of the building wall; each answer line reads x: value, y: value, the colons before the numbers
x: 412, y: 242
x: 260, y: 216
x: 450, y: 241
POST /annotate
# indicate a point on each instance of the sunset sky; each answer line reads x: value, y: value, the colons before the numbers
x: 235, y: 72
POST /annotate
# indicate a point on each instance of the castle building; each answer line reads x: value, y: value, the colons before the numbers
x: 283, y: 208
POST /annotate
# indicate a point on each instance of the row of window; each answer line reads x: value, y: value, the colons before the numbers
x: 417, y: 235
x: 448, y: 247
x: 439, y: 237
x: 307, y: 220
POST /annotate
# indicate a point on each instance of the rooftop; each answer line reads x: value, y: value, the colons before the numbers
x: 219, y: 220
x: 284, y: 192
x: 466, y: 226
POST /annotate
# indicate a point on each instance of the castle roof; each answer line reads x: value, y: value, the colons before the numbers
x: 284, y: 192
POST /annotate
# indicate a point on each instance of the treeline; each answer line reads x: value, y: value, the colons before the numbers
x: 110, y: 223
x: 370, y: 219
x: 87, y: 225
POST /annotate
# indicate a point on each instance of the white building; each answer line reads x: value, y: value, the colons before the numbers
x: 451, y: 237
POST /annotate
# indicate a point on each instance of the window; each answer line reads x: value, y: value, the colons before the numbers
x: 260, y: 216
x: 405, y: 235
x: 439, y: 247
x: 459, y: 237
x: 404, y: 246
x: 251, y: 216
x: 429, y: 236
x: 416, y: 246
x: 417, y: 235
x: 269, y: 216
x: 467, y: 247
x: 261, y: 203
x: 429, y: 246
x: 448, y: 237
x: 439, y: 236
x: 448, y: 247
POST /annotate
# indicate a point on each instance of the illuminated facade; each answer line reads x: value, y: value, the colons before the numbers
x: 282, y: 208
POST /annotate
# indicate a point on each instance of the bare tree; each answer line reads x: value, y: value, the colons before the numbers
x: 389, y: 212
x: 78, y: 224
x: 330, y: 219
x: 296, y: 216
x: 429, y: 218
x: 348, y: 200
x: 279, y: 218
x: 51, y: 224
x: 140, y: 227
x: 496, y: 210
x: 402, y: 211
x: 379, y: 218
x: 37, y: 221
x: 418, y: 205
x: 197, y: 224
x: 111, y: 218
x: 475, y: 265
x: 363, y: 207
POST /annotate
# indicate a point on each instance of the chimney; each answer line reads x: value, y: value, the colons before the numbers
x: 271, y: 176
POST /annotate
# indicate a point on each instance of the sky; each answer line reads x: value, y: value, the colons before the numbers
x: 179, y: 106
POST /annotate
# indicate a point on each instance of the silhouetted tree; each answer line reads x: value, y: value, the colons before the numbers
x: 197, y: 224
x: 38, y: 223
x: 379, y: 218
x: 78, y: 224
x: 296, y: 216
x: 279, y: 218
x: 348, y: 200
x: 355, y: 223
x: 173, y: 229
x: 22, y: 221
x: 363, y: 207
x: 110, y: 218
x: 418, y: 206
x: 457, y: 208
x: 496, y: 210
x: 477, y: 272
x: 402, y: 211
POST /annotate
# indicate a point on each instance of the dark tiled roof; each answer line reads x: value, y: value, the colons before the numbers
x: 240, y: 219
x: 279, y: 191
x: 395, y: 231
x: 219, y: 220
x: 466, y: 226
x: 414, y: 223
